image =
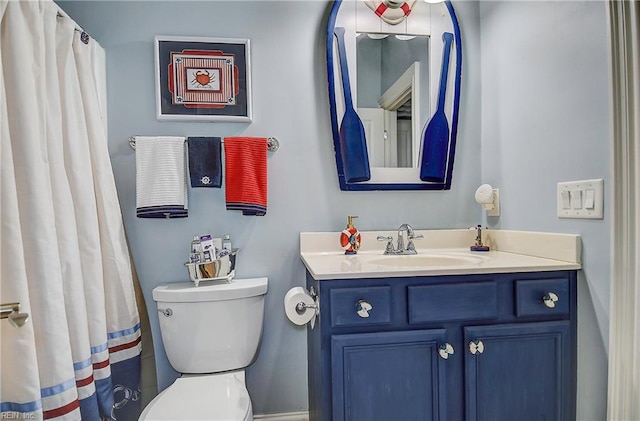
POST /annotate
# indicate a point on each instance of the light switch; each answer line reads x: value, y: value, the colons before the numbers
x: 589, y: 199
x: 580, y: 199
x: 576, y: 199
x: 566, y: 199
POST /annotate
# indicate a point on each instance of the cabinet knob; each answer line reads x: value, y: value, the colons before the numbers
x: 445, y: 350
x: 363, y: 308
x: 476, y: 347
x: 550, y: 299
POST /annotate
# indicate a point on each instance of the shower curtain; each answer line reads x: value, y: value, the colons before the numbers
x: 63, y: 252
x: 624, y: 337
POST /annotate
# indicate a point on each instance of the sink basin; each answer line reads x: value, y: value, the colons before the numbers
x: 427, y: 260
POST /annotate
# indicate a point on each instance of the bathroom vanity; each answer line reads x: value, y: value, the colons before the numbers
x: 446, y: 334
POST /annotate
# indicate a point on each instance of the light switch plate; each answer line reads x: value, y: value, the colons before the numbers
x: 579, y: 210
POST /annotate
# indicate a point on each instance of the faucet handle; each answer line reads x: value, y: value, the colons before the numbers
x: 410, y: 246
x: 389, y: 248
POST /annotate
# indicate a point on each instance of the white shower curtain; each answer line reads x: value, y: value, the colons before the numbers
x: 63, y: 252
x: 624, y: 342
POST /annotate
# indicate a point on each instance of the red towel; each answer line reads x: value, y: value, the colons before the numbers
x: 246, y: 174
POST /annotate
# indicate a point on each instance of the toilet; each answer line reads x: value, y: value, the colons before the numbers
x: 210, y: 334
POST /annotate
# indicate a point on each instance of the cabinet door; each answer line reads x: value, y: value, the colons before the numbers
x: 387, y: 376
x: 519, y: 372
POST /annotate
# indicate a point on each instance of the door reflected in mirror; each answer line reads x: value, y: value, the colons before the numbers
x: 393, y: 96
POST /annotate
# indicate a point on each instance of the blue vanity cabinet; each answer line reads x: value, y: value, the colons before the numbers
x: 484, y: 347
x: 530, y: 356
x: 370, y: 370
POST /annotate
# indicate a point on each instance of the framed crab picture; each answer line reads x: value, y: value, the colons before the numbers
x: 203, y: 79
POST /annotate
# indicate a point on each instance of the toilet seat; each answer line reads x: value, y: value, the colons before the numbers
x: 215, y: 397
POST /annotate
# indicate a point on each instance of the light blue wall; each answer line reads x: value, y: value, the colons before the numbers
x: 543, y: 108
x: 546, y: 119
x: 290, y: 102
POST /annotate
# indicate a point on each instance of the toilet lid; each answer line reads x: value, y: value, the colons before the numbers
x: 207, y: 397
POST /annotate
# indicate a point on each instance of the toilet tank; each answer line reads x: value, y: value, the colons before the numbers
x: 212, y: 327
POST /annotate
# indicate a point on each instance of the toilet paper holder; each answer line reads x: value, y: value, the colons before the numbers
x: 301, y: 307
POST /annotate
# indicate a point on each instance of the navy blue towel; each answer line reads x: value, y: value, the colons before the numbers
x: 205, y: 164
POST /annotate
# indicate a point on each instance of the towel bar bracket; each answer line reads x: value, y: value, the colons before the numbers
x: 272, y: 143
x: 11, y: 311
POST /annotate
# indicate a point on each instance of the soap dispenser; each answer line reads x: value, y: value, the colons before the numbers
x: 478, y: 246
x: 350, y: 238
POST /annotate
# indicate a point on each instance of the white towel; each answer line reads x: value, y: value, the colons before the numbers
x: 161, y: 177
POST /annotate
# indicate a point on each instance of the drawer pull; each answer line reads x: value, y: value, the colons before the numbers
x: 476, y: 347
x: 445, y: 350
x: 363, y: 308
x: 550, y: 299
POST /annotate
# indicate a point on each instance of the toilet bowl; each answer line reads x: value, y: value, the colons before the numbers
x: 215, y: 397
x: 210, y: 334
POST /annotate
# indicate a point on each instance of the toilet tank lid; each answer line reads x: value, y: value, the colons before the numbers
x: 187, y: 291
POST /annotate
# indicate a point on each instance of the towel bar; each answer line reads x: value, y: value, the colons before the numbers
x: 272, y: 143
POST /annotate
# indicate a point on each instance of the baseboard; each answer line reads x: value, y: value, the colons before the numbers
x: 288, y: 416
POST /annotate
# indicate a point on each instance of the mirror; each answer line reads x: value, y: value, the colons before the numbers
x: 394, y: 91
x: 389, y: 69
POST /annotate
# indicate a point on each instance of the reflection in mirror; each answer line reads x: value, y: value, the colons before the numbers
x: 388, y: 68
x: 403, y: 90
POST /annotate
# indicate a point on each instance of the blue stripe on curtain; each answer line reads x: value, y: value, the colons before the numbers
x: 82, y: 364
x: 124, y: 332
x: 99, y: 348
x: 59, y: 388
x: 20, y: 407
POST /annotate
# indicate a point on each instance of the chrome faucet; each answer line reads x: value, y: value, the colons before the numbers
x: 401, y: 248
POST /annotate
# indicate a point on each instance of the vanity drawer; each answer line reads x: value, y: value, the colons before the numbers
x: 542, y: 297
x: 360, y: 306
x: 440, y: 303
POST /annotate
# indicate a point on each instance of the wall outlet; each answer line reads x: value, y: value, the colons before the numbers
x: 581, y: 199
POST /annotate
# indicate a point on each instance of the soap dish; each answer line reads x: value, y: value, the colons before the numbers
x: 222, y: 269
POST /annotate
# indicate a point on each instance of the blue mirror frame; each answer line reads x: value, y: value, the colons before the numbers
x: 351, y: 155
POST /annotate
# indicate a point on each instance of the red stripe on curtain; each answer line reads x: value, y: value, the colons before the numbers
x: 63, y: 410
x: 85, y: 381
x: 101, y: 364
x: 125, y: 346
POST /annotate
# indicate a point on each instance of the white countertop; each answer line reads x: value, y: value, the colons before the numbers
x: 446, y: 251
